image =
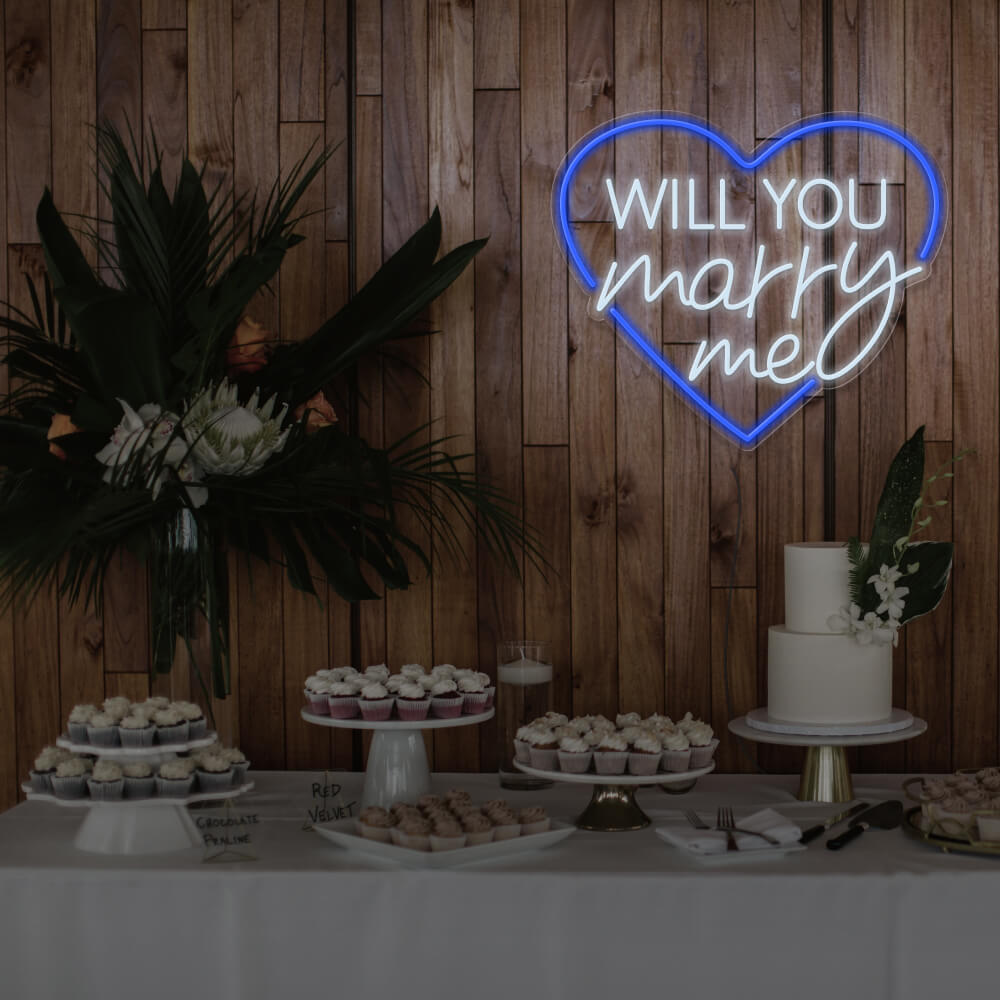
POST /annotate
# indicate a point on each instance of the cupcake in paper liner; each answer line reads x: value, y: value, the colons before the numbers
x: 446, y: 699
x: 70, y: 779
x: 375, y: 702
x: 195, y: 718
x: 171, y: 726
x: 44, y: 768
x: 489, y: 687
x: 534, y: 819
x: 317, y: 692
x: 136, y: 731
x: 414, y: 832
x: 574, y: 755
x: 412, y: 701
x: 139, y: 780
x: 473, y: 693
x: 106, y: 782
x: 215, y: 773
x: 239, y: 763
x: 611, y: 754
x: 522, y: 748
x: 506, y: 825
x: 703, y: 743
x: 175, y: 779
x: 644, y: 758
x: 676, y: 756
x: 102, y: 730
x: 376, y: 823
x: 543, y: 747
x: 79, y: 719
x: 342, y: 701
x: 478, y: 829
x: 447, y: 835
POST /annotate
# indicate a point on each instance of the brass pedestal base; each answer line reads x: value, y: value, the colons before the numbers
x: 825, y: 776
x: 612, y: 808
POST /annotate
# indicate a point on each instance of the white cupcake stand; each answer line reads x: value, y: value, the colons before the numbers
x: 397, y: 762
x: 612, y: 807
x: 825, y: 775
x: 137, y: 826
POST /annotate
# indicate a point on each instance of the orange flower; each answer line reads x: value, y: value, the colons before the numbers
x: 60, y: 426
x: 249, y: 349
x: 317, y: 411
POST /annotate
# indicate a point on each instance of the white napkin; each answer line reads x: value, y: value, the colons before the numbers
x: 714, y: 841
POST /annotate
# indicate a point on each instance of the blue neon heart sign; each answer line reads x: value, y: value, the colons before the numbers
x: 793, y: 201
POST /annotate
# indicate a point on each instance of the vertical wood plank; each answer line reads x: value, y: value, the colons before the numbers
x: 338, y: 97
x: 881, y: 87
x: 134, y: 686
x: 164, y: 14
x: 210, y: 88
x: 740, y: 665
x: 498, y: 359
x: 451, y: 110
x: 778, y: 66
x: 29, y: 117
x: 543, y: 145
x: 368, y: 48
x: 497, y: 25
x: 593, y: 520
x: 974, y: 215
x: 164, y: 112
x: 301, y: 60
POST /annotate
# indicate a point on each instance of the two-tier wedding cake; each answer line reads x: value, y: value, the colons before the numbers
x: 816, y: 676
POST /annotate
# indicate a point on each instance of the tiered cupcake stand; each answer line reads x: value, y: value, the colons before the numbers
x: 138, y: 826
x: 612, y: 806
x: 826, y: 776
x: 397, y: 762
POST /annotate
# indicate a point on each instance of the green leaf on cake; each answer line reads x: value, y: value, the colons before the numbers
x: 928, y: 584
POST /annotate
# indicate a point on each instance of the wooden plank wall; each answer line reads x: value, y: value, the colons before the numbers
x: 471, y: 106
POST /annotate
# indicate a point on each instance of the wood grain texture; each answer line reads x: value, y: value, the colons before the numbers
x: 301, y: 61
x: 164, y: 14
x: 337, y: 119
x: 210, y: 88
x: 543, y: 145
x: 29, y: 114
x: 497, y: 24
x: 368, y: 47
x: 881, y: 88
x: 164, y: 111
x: 736, y: 664
x: 778, y: 64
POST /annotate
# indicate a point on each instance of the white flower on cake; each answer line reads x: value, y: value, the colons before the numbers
x: 866, y: 629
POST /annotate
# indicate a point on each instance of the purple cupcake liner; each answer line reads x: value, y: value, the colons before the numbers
x: 343, y: 707
x: 413, y: 710
x: 446, y: 708
x: 474, y: 703
x: 702, y: 756
x: 377, y: 710
x: 319, y: 704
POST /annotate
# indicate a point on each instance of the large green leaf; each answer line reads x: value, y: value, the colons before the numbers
x: 928, y: 584
x: 66, y: 264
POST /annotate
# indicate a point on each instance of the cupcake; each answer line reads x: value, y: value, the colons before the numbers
x: 447, y: 835
x: 411, y: 670
x: 553, y: 719
x: 412, y: 701
x: 703, y: 745
x: 533, y: 819
x: 78, y: 720
x: 136, y: 731
x: 106, y: 782
x: 676, y: 756
x: 446, y: 701
x: 429, y: 801
x: 117, y: 708
x: 195, y: 717
x: 175, y: 779
x: 45, y: 767
x: 427, y: 681
x: 317, y: 692
x: 102, y: 730
x: 343, y: 700
x: 376, y: 824
x: 413, y: 832
x: 543, y: 748
x: 454, y: 796
x: 239, y: 763
x: 377, y: 672
x: 522, y: 748
x: 375, y: 702
x: 627, y: 719
x: 644, y: 758
x: 70, y: 779
x: 489, y: 687
x: 215, y: 773
x: 152, y: 705
x: 506, y: 825
x: 444, y: 670
x: 340, y: 673
x: 478, y: 829
x: 611, y: 755
x: 171, y: 726
x: 394, y: 682
x: 473, y: 695
x: 574, y: 755
x: 139, y: 780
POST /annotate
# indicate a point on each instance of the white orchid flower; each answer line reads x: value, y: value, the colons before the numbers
x: 894, y: 603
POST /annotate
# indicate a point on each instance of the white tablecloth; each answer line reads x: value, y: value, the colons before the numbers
x: 600, y: 915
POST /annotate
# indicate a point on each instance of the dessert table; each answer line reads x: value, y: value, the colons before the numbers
x: 598, y: 915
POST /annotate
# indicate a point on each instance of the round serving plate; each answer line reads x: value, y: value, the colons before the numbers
x: 135, y: 753
x: 913, y: 824
x: 139, y: 826
x: 612, y: 807
x: 897, y: 720
x: 397, y: 768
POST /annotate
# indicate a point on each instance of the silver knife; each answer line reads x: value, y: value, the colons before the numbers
x: 815, y: 831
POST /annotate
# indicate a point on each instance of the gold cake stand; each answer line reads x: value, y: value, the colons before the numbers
x: 612, y: 807
x: 825, y: 775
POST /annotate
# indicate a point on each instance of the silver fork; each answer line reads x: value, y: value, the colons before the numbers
x: 725, y: 820
x: 695, y: 820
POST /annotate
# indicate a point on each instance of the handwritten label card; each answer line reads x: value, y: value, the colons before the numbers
x: 328, y: 804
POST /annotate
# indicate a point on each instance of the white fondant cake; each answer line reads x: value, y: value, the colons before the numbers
x: 815, y: 675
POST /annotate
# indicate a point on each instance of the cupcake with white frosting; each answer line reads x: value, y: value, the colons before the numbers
x: 375, y: 702
x: 644, y: 755
x: 412, y: 701
x: 473, y: 694
x: 444, y: 670
x: 522, y: 747
x: 214, y: 773
x: 446, y: 699
x: 117, y: 708
x: 239, y: 764
x: 703, y: 743
x: 394, y: 682
x: 195, y: 717
x: 102, y: 730
x: 317, y: 692
x: 45, y: 767
x: 171, y: 726
x: 574, y: 755
x: 136, y: 730
x: 342, y: 700
x: 175, y: 779
x: 139, y: 780
x: 624, y: 719
x: 611, y: 755
x: 412, y: 670
x: 106, y: 782
x: 676, y: 755
x: 377, y: 672
x: 70, y: 779
x: 543, y: 747
x: 78, y: 720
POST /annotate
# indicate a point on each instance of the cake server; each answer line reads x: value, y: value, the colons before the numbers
x: 820, y: 828
x: 884, y: 816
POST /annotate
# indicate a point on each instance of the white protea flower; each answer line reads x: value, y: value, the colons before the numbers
x: 230, y: 438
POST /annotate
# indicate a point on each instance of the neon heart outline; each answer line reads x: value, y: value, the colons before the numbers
x: 929, y: 242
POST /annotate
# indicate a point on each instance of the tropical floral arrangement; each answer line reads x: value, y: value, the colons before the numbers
x: 150, y: 412
x: 894, y: 578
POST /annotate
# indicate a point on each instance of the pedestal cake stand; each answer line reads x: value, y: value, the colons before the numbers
x: 612, y: 806
x: 825, y: 774
x: 397, y: 762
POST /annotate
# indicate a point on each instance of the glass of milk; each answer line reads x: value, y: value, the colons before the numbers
x: 524, y: 692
